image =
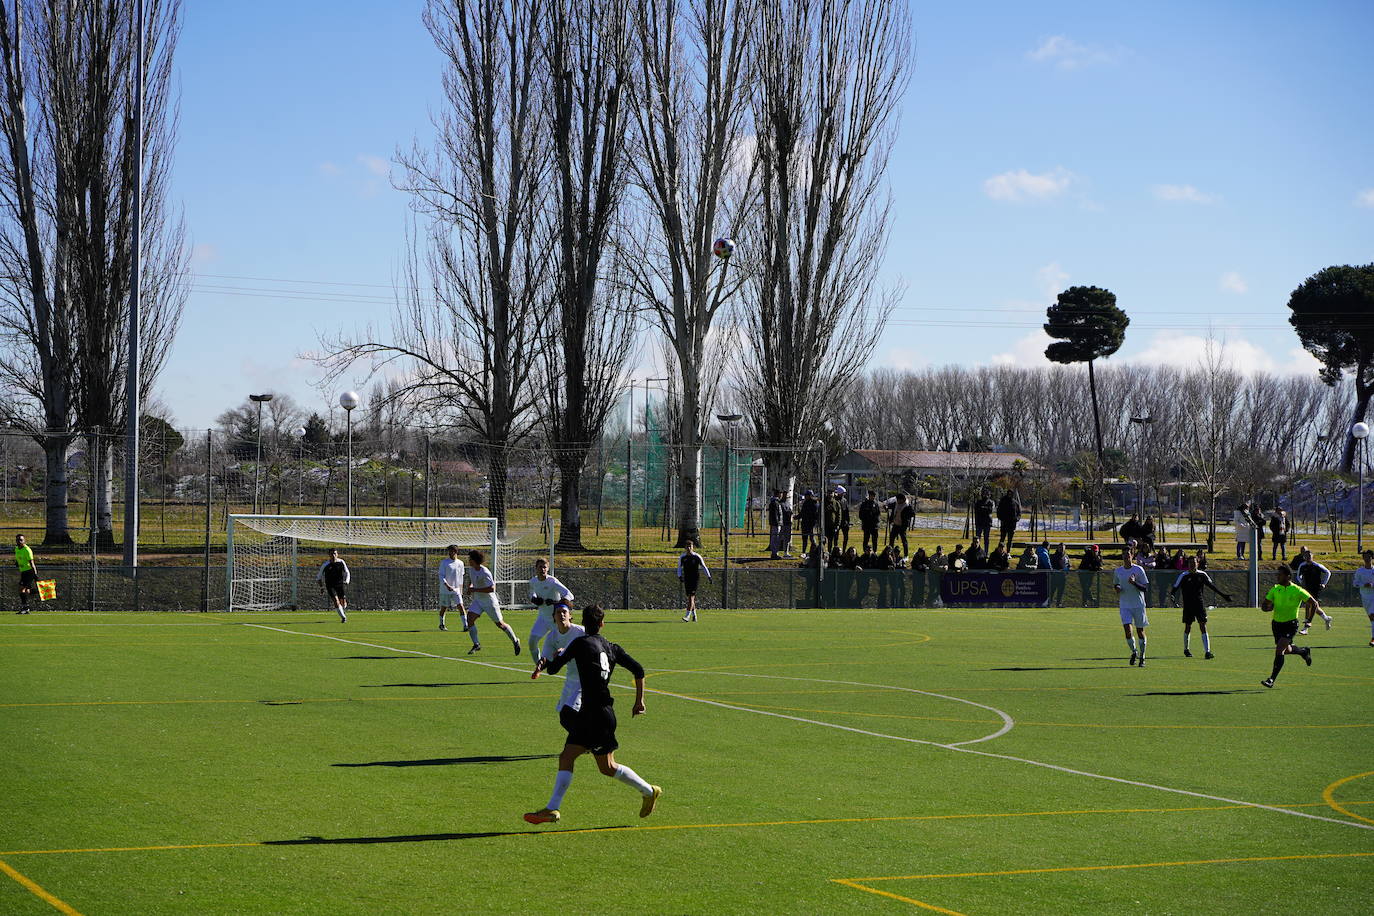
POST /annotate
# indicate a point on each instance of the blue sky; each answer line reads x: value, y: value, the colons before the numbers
x: 1200, y: 160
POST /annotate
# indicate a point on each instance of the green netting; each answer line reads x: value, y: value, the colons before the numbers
x: 660, y: 471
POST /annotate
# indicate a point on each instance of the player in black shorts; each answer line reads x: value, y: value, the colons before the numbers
x: 1191, y: 583
x: 333, y: 577
x: 690, y: 566
x: 592, y: 729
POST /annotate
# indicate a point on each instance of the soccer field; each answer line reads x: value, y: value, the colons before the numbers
x: 984, y: 762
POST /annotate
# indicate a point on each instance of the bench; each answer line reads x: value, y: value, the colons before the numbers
x: 1108, y: 545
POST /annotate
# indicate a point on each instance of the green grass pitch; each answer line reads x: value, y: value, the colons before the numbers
x: 812, y: 762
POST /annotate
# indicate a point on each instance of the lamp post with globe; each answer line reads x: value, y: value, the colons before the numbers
x: 348, y: 401
x: 1361, y: 432
x: 299, y: 433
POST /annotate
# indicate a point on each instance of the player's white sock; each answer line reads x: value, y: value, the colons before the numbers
x: 1206, y: 643
x: 560, y: 788
x: 1325, y: 616
x: 1130, y: 641
x: 510, y: 634
x: 1187, y: 638
x: 631, y: 778
x: 1142, y: 647
x: 472, y: 631
x: 1371, y: 628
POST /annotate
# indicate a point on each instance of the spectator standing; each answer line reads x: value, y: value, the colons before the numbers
x: 1130, y: 529
x: 809, y: 513
x: 1257, y: 522
x: 1241, y: 520
x: 1279, y: 527
x: 939, y: 562
x: 1147, y: 531
x: 775, y: 524
x: 1008, y: 514
x: 1088, y: 568
x: 903, y: 516
x: 982, y: 519
x: 785, y: 533
x: 836, y: 510
x: 1059, y: 575
x: 870, y: 515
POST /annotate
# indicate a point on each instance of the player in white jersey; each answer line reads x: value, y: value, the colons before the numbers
x: 1130, y: 586
x: 1364, y: 583
x: 481, y: 588
x: 545, y: 593
x: 563, y: 633
x: 450, y: 585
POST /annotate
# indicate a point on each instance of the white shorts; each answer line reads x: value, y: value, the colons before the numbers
x: 1134, y: 616
x: 542, y: 624
x: 449, y: 598
x: 483, y: 603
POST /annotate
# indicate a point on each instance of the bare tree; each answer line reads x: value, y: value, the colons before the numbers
x: 1206, y: 442
x: 588, y: 66
x: 828, y: 78
x: 689, y: 115
x: 472, y: 319
x: 67, y: 180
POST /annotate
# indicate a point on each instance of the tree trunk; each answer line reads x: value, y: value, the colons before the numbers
x: 55, y: 522
x: 1363, y: 392
x: 1097, y: 425
x: 689, y: 456
x: 104, y: 500
x: 497, y: 469
x: 571, y: 463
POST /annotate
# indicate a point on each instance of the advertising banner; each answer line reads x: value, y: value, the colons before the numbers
x: 1008, y: 589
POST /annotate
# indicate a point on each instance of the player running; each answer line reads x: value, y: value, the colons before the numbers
x: 333, y: 577
x: 690, y: 566
x: 451, y: 586
x: 1130, y: 584
x: 1364, y: 583
x: 28, y: 572
x: 1313, y: 576
x: 481, y: 589
x: 562, y: 636
x: 592, y: 729
x: 1191, y: 582
x: 1283, y: 600
x: 546, y: 593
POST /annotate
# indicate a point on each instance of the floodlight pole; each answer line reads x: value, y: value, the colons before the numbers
x: 348, y: 401
x: 729, y: 420
x: 820, y: 549
x: 132, y: 380
x: 258, y: 399
x: 1361, y: 433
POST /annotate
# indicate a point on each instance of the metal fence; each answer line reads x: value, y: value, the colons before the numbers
x: 150, y: 588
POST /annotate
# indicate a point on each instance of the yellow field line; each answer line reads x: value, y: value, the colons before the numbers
x: 1329, y: 796
x: 724, y: 825
x: 1071, y: 868
x: 912, y: 900
x: 38, y: 891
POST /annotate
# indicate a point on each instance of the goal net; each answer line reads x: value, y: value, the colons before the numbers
x: 269, y: 557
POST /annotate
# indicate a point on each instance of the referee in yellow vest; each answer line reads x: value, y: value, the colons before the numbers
x: 28, y: 572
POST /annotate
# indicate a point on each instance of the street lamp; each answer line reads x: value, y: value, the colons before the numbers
x: 348, y: 401
x: 1139, y: 484
x: 1361, y: 432
x: 258, y: 399
x: 299, y: 433
x: 729, y: 419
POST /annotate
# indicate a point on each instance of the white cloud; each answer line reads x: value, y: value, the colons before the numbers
x: 1063, y: 53
x: 1185, y: 193
x: 1232, y: 282
x: 375, y: 164
x: 1365, y: 198
x: 1026, y: 351
x: 1188, y: 351
x: 1053, y: 280
x: 1020, y: 185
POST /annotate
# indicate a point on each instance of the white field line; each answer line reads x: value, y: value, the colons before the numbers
x: 949, y: 747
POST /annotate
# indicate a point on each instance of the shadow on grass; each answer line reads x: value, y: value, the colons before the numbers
x: 431, y: 837
x: 467, y: 684
x: 377, y: 658
x: 1193, y: 693
x: 448, y: 761
x: 1065, y: 667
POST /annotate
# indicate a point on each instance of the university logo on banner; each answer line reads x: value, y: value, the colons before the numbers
x: 1008, y: 589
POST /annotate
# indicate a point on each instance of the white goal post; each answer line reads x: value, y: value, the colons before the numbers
x: 263, y: 565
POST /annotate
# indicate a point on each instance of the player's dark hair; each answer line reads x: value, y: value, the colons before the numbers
x: 452, y: 547
x: 477, y: 557
x: 592, y: 618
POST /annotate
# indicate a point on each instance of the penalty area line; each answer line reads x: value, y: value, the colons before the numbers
x: 34, y: 888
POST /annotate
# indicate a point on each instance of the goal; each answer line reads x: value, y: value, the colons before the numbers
x: 264, y: 568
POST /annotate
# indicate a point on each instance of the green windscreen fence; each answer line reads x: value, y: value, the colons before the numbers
x: 660, y: 469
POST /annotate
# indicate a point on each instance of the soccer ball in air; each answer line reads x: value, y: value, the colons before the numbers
x: 723, y: 248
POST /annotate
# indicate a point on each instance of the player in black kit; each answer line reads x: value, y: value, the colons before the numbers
x: 1191, y: 583
x: 690, y: 566
x: 592, y: 730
